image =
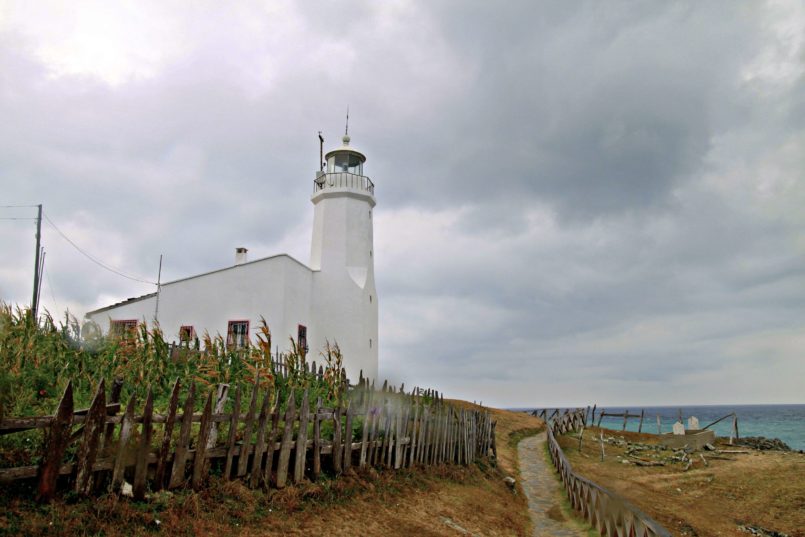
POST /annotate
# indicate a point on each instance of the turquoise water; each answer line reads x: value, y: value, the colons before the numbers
x: 786, y: 422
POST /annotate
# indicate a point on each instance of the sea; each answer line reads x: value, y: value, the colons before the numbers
x: 786, y: 422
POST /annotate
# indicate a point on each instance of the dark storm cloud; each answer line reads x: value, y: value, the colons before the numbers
x: 573, y: 198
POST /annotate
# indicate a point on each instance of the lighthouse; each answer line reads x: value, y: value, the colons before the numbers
x: 342, y: 257
x: 331, y: 299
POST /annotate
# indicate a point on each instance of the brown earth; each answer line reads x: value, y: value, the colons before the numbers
x: 761, y: 489
x: 440, y: 501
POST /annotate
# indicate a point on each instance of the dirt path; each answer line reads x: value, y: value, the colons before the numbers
x: 543, y: 491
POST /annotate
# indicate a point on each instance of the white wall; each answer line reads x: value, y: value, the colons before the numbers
x: 278, y: 288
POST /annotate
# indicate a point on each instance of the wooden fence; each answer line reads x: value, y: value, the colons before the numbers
x: 607, y: 513
x: 734, y: 434
x: 262, y: 441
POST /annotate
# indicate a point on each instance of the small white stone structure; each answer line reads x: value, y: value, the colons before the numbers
x: 332, y: 299
x: 693, y: 423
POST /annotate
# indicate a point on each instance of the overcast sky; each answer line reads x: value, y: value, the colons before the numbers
x: 578, y: 202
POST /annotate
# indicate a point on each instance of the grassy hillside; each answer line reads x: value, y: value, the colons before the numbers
x: 714, y: 496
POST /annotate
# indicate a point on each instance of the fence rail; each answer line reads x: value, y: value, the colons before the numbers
x: 267, y: 442
x: 607, y: 512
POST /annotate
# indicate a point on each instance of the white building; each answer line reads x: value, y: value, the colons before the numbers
x: 332, y: 299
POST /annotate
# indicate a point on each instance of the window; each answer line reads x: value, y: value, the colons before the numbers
x: 123, y: 328
x: 301, y: 338
x: 187, y: 333
x: 237, y: 334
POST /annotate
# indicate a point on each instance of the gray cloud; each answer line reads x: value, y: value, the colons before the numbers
x: 575, y: 201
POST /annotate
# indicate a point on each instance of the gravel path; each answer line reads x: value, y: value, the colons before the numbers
x: 543, y: 491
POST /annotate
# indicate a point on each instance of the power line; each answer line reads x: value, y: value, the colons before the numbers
x: 52, y: 294
x: 93, y: 259
x: 16, y: 206
x: 14, y: 218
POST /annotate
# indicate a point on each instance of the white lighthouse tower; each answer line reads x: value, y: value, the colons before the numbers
x: 342, y: 258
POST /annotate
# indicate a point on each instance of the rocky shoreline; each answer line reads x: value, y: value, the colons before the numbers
x: 762, y: 443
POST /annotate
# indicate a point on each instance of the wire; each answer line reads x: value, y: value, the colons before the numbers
x: 93, y: 259
x: 16, y: 206
x: 14, y: 218
x: 50, y: 286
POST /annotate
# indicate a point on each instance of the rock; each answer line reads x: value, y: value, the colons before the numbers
x: 761, y: 532
x: 764, y: 444
x: 127, y: 490
x: 510, y: 482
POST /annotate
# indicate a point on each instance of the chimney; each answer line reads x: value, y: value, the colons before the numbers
x: 240, y: 255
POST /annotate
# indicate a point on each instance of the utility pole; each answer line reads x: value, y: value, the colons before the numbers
x: 41, y: 276
x: 35, y: 299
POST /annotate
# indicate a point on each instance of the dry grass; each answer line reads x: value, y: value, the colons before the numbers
x: 765, y: 489
x: 439, y: 501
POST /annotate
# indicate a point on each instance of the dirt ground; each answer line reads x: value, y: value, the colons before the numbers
x: 761, y: 489
x: 441, y: 501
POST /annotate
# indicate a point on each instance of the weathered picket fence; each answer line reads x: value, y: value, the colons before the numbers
x: 607, y: 512
x: 626, y: 415
x: 266, y: 442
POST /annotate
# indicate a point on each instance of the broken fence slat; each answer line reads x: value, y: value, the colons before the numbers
x: 123, y: 446
x: 220, y: 401
x: 54, y: 446
x: 89, y: 443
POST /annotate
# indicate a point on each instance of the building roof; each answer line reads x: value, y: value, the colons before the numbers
x: 122, y: 303
x: 151, y: 295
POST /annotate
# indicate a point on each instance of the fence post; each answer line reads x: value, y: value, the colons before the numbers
x: 260, y: 443
x: 347, y: 438
x: 180, y: 453
x: 317, y: 441
x: 141, y: 469
x: 162, y: 457
x: 233, y: 433
x: 287, y: 437
x: 301, y: 440
x: 243, y: 460
x: 200, y: 461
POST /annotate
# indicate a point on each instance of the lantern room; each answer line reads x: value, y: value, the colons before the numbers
x: 345, y: 159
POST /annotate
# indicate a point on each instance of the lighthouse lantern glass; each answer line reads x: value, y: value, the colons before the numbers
x: 345, y: 163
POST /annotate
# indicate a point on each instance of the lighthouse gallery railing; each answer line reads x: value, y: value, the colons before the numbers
x: 343, y: 180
